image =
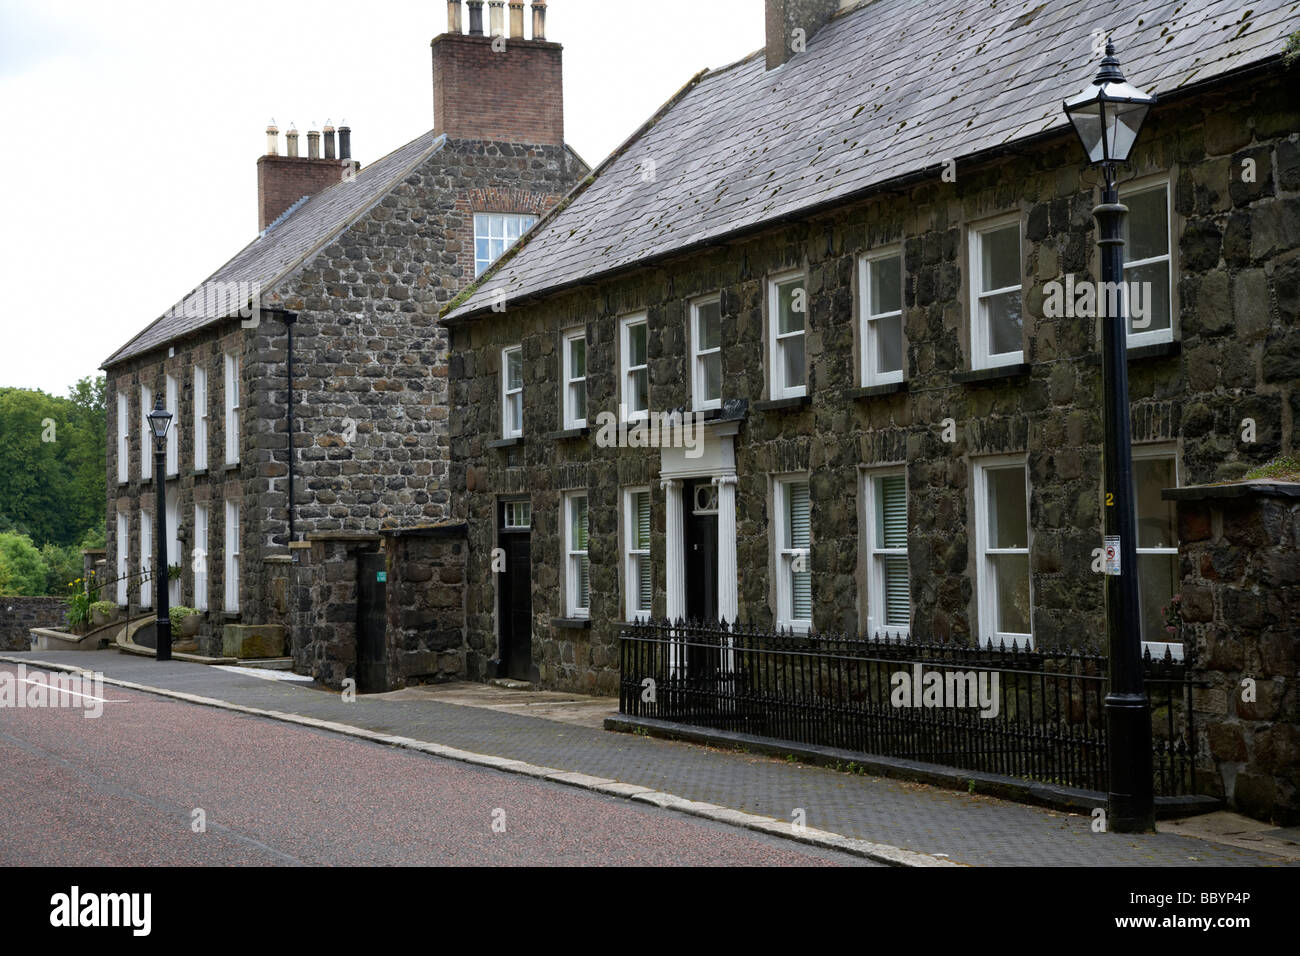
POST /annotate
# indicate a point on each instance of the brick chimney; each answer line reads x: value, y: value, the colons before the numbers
x: 283, y: 180
x: 506, y: 88
x: 784, y: 17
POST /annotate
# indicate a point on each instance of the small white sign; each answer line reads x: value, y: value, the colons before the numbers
x: 1111, y: 542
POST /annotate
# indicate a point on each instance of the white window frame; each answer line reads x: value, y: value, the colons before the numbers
x: 867, y: 336
x: 785, y: 556
x: 483, y: 222
x: 123, y: 558
x: 123, y: 438
x: 698, y: 378
x: 146, y: 559
x: 980, y: 357
x: 1149, y: 452
x: 232, y: 529
x: 875, y: 557
x: 634, y: 558
x: 232, y: 409
x: 986, y: 583
x: 509, y: 427
x: 571, y: 420
x: 1154, y: 336
x: 572, y: 556
x: 199, y: 557
x: 173, y: 400
x: 172, y: 511
x: 627, y: 370
x: 146, y: 433
x: 518, y: 515
x: 777, y: 388
x: 200, y: 418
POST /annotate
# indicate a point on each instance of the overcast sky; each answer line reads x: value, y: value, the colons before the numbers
x: 132, y: 130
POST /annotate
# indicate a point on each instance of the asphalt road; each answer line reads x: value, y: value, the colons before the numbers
x: 123, y: 790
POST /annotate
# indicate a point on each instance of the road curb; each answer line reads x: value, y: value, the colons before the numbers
x: 824, y: 839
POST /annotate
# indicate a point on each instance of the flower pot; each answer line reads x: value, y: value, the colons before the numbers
x: 100, y: 618
x: 190, y: 625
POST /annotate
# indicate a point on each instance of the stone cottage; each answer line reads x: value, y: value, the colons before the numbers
x: 807, y: 351
x: 307, y: 375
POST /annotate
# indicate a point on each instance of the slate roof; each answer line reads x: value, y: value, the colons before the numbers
x: 886, y: 89
x: 292, y: 239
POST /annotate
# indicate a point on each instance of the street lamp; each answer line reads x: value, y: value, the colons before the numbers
x: 1108, y: 116
x: 160, y: 421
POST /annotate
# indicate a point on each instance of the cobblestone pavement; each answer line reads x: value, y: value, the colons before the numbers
x: 970, y: 829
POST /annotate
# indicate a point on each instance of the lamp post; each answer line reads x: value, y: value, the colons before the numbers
x: 160, y: 421
x: 1108, y: 115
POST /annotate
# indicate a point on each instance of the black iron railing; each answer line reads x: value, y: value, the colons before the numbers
x: 1036, y: 714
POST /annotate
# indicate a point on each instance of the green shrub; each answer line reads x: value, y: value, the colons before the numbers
x: 22, y: 569
x: 107, y: 608
x: 180, y: 613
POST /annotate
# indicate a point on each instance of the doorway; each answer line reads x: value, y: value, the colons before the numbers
x: 372, y: 622
x: 513, y: 565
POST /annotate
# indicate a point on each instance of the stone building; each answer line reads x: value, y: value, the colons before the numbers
x: 307, y: 375
x: 849, y: 253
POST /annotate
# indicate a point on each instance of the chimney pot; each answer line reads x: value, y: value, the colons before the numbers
x: 345, y: 142
x: 272, y: 139
x: 475, y: 18
x: 516, y: 19
x: 539, y: 19
x: 313, y: 143
x: 497, y: 11
x: 291, y: 140
x: 329, y: 140
x: 453, y: 16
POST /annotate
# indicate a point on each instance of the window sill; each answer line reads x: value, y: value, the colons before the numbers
x: 572, y: 623
x: 1156, y: 350
x: 506, y: 442
x: 199, y: 473
x: 230, y: 615
x: 569, y: 433
x: 231, y: 467
x: 783, y: 404
x: 874, y: 391
x: 997, y: 374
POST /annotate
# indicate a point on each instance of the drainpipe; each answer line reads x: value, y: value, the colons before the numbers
x: 291, y: 319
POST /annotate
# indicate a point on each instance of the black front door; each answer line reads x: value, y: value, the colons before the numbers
x: 515, y: 612
x: 372, y: 623
x: 701, y: 552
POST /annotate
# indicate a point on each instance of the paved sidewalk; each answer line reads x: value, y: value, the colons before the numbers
x: 969, y: 829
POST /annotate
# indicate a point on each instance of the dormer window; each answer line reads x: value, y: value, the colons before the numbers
x: 494, y: 233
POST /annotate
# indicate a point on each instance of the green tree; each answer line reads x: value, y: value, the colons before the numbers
x: 22, y: 570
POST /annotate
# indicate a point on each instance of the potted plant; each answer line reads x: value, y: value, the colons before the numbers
x: 79, y: 607
x: 102, y: 613
x: 185, y: 621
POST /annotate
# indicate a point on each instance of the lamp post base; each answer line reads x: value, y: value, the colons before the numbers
x: 1130, y: 805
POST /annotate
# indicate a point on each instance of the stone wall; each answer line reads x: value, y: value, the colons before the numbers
x: 18, y: 615
x: 1240, y: 557
x: 1236, y: 262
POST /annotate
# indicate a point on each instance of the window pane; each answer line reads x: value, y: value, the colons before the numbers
x: 1002, y: 313
x: 1011, y: 580
x: 889, y: 344
x: 644, y: 591
x: 790, y: 319
x: 514, y: 369
x: 712, y: 365
x: 801, y: 595
x: 641, y: 501
x: 577, y: 358
x: 891, y: 512
x: 886, y: 285
x: 1153, y: 295
x: 1157, y: 583
x: 898, y: 611
x: 1000, y: 258
x: 709, y: 318
x: 1006, y: 504
x: 1146, y: 227
x: 792, y: 361
x: 578, y: 392
x: 797, y: 515
x: 636, y: 351
x: 584, y: 582
x: 640, y: 397
x: 578, y: 511
x: 1155, y: 518
x: 517, y: 411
